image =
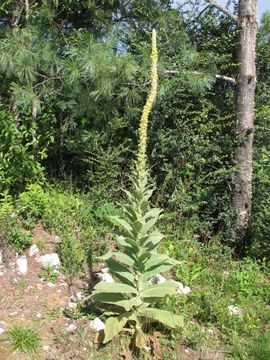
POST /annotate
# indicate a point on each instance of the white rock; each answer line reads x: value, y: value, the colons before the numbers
x: 34, y: 250
x: 71, y: 328
x: 156, y: 279
x: 79, y: 295
x: 51, y: 285
x: 21, y: 263
x: 105, y: 270
x: 97, y: 324
x: 234, y: 310
x: 46, y: 347
x: 183, y: 289
x: 2, y: 330
x: 1, y: 256
x: 72, y: 305
x: 105, y: 277
x: 49, y: 260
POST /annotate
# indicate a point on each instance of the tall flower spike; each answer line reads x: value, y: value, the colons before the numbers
x: 146, y: 110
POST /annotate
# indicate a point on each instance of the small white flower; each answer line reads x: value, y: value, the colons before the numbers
x: 156, y: 279
x: 234, y: 310
x: 183, y: 289
x: 97, y: 324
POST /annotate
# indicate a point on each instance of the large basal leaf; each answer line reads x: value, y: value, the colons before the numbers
x: 164, y: 317
x: 105, y: 287
x: 114, y: 326
x: 140, y: 339
x: 160, y: 290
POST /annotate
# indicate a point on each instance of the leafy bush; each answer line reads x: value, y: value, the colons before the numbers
x: 6, y: 205
x: 32, y: 203
x: 20, y: 153
x: 72, y: 256
x: 16, y: 238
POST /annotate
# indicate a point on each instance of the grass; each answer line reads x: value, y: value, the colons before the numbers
x: 24, y: 339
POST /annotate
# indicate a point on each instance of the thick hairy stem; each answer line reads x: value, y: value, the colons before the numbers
x: 146, y: 110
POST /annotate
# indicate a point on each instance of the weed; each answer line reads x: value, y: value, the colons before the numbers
x: 49, y: 274
x: 24, y: 339
x: 72, y: 256
x: 41, y: 244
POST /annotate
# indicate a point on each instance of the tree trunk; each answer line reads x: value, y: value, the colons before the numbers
x: 246, y: 82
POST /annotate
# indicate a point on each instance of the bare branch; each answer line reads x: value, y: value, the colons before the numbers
x: 223, y: 9
x: 226, y: 78
x: 27, y: 6
x: 217, y: 76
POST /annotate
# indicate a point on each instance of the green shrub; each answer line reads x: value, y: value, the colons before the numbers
x: 6, y: 205
x: 32, y: 203
x: 72, y: 256
x: 16, y: 238
x: 20, y: 153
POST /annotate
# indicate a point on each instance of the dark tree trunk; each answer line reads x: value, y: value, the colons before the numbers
x: 246, y: 83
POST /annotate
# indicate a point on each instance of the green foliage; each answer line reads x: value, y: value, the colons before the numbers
x: 32, y: 203
x: 220, y: 283
x: 15, y: 237
x: 24, y: 339
x: 6, y: 205
x: 72, y: 256
x: 49, y: 274
x: 19, y: 153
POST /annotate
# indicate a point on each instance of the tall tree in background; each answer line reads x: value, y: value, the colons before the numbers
x: 246, y: 83
x: 245, y: 103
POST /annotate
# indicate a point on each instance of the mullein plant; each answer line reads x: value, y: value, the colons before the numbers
x: 132, y: 298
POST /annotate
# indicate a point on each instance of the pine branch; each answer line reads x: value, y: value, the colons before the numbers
x: 223, y: 9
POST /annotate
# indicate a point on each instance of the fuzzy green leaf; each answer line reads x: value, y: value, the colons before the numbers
x: 164, y: 317
x: 160, y: 290
x: 114, y: 326
x: 123, y: 258
x: 105, y: 287
x: 120, y: 272
x: 149, y: 242
x: 117, y: 300
x: 156, y: 270
x: 122, y: 223
x: 156, y: 260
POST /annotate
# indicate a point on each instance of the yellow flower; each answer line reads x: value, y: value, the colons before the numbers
x: 147, y: 109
